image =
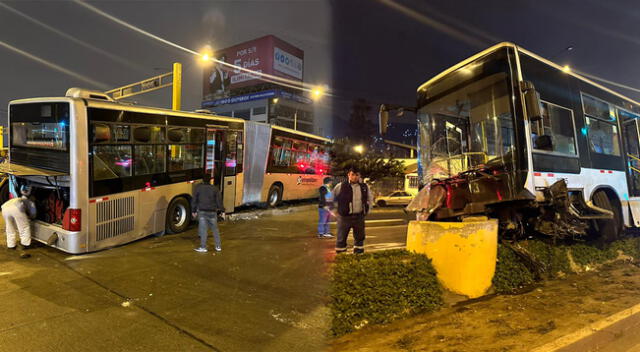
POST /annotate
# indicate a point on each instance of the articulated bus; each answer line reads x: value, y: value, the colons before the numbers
x: 510, y: 134
x: 105, y: 173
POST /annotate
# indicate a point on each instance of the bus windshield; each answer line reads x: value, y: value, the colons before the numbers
x: 468, y: 127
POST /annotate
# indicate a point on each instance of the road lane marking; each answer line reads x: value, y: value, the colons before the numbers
x: 589, y: 330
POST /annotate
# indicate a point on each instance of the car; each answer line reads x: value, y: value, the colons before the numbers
x: 394, y: 198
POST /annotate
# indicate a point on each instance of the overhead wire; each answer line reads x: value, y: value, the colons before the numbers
x: 54, y: 66
x: 72, y: 38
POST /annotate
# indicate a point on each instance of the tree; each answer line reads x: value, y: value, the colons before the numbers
x: 372, y: 165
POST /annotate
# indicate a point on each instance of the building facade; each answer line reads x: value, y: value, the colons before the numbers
x: 230, y: 91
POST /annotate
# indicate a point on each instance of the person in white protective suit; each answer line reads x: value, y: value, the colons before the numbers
x: 17, y: 213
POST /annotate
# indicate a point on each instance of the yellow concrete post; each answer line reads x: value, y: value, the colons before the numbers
x: 177, y: 85
x: 463, y: 253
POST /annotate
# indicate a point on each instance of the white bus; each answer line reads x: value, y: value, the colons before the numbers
x: 513, y: 135
x: 106, y: 173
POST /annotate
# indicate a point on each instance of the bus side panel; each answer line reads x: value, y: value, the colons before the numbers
x: 239, y: 189
x: 296, y: 186
x: 125, y: 217
x: 590, y: 180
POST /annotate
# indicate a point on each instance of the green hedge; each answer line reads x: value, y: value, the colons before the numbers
x: 379, y: 287
x: 511, y: 273
x: 541, y: 260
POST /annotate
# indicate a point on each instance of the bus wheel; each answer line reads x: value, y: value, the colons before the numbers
x: 4, y: 192
x: 609, y: 228
x: 178, y: 215
x: 382, y: 203
x: 275, y: 195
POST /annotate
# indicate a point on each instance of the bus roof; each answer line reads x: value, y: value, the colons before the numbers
x: 95, y: 103
x: 519, y: 49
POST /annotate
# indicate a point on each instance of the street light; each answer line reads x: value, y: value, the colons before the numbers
x: 566, y: 68
x: 359, y: 148
x: 206, y: 54
x: 317, y: 92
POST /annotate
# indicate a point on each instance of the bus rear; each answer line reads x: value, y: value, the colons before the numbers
x: 40, y: 153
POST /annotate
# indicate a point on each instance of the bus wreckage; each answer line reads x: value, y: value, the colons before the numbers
x: 512, y: 136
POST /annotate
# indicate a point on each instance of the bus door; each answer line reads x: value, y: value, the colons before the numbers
x: 631, y: 140
x: 221, y: 163
x: 215, y: 150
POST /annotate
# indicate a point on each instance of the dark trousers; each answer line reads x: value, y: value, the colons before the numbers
x: 346, y: 223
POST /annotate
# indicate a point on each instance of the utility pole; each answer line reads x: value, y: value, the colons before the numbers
x: 177, y: 86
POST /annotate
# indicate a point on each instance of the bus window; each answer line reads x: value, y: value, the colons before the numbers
x: 121, y: 133
x: 602, y: 131
x: 149, y: 134
x: 240, y: 152
x: 101, y: 133
x: 554, y: 132
x: 195, y: 135
x: 186, y: 135
x: 176, y: 135
x: 185, y: 157
x: 231, y: 159
x: 149, y: 159
x: 603, y: 137
x: 111, y: 161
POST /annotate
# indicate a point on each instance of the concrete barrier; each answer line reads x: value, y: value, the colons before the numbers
x: 463, y: 253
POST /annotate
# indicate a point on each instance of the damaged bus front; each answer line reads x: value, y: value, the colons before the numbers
x: 483, y: 130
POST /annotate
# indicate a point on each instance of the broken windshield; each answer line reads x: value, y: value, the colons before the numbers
x: 467, y: 128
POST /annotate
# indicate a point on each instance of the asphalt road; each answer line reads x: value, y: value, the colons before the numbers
x: 264, y: 292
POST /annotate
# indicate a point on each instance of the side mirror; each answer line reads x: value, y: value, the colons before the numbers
x: 531, y: 101
x: 383, y: 119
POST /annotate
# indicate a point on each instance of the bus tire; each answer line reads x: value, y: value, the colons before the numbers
x: 382, y: 203
x: 274, y: 197
x: 610, y: 229
x: 4, y: 192
x: 178, y: 215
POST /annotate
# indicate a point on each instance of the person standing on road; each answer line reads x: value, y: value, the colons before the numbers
x: 324, y: 214
x: 353, y: 200
x: 206, y: 204
x: 17, y: 213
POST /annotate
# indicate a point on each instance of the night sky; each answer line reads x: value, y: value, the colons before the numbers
x: 361, y: 49
x: 383, y: 55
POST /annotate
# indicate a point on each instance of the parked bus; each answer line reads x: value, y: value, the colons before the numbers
x: 105, y: 173
x: 510, y: 134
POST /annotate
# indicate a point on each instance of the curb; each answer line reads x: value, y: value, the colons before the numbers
x: 254, y: 214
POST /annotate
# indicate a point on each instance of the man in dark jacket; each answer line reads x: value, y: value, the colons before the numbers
x: 206, y: 204
x: 353, y: 200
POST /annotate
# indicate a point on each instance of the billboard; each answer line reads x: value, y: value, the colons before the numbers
x: 268, y: 54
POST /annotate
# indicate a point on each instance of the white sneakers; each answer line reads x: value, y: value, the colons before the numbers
x: 204, y: 250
